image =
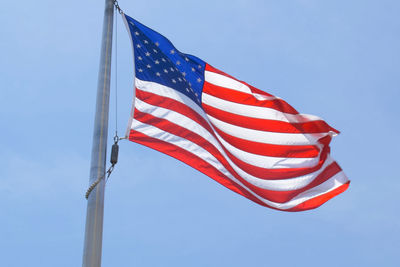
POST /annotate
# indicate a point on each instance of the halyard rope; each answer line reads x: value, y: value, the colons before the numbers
x: 93, y: 185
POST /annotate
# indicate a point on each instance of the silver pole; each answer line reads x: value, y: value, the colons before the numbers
x: 95, y: 205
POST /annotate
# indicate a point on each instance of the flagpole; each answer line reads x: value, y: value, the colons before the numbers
x: 95, y: 204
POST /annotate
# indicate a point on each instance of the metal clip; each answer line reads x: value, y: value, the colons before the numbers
x: 117, y: 7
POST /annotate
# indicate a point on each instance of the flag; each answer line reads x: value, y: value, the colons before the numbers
x: 247, y: 140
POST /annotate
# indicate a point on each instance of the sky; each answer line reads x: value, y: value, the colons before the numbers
x: 335, y: 59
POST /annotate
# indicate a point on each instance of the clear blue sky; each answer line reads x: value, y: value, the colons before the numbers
x: 335, y: 59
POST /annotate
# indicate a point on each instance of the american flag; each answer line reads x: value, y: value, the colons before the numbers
x: 249, y: 141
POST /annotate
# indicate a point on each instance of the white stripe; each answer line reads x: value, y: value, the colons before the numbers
x: 280, y: 185
x: 227, y: 82
x: 329, y: 185
x: 265, y: 97
x: 154, y: 132
x: 253, y: 159
x: 255, y: 111
x: 162, y: 90
x: 264, y: 136
x: 223, y: 81
x: 276, y: 185
x: 268, y: 162
x: 165, y: 91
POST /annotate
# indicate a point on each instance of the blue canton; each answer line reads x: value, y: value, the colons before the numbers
x: 157, y: 60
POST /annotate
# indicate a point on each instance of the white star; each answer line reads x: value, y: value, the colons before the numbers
x: 198, y: 80
x: 199, y: 66
x: 173, y: 80
x: 178, y: 63
x: 163, y: 59
x: 146, y: 42
x: 186, y: 59
x: 187, y: 90
x: 140, y: 70
x: 193, y: 69
x: 172, y: 51
x: 158, y: 74
x: 155, y: 51
x: 147, y: 54
x: 165, y: 70
x: 157, y: 44
x: 137, y: 33
x: 190, y: 85
x: 179, y: 79
x: 148, y: 66
x: 172, y: 69
x: 184, y: 73
x: 196, y: 94
x: 138, y: 46
x: 157, y: 62
x: 131, y: 23
x: 139, y: 57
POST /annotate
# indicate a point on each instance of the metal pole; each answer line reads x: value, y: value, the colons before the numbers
x: 95, y: 205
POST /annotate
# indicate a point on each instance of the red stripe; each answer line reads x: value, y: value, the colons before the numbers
x: 319, y: 126
x: 282, y: 151
x: 172, y: 104
x: 262, y: 173
x: 245, y: 145
x: 276, y: 174
x: 193, y: 161
x: 180, y: 131
x: 285, y: 196
x: 204, y: 167
x: 267, y: 125
x: 246, y: 98
x: 318, y: 201
x: 276, y: 196
x: 215, y: 70
x: 326, y: 140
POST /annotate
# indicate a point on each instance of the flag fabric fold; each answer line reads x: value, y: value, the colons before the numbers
x: 249, y: 141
